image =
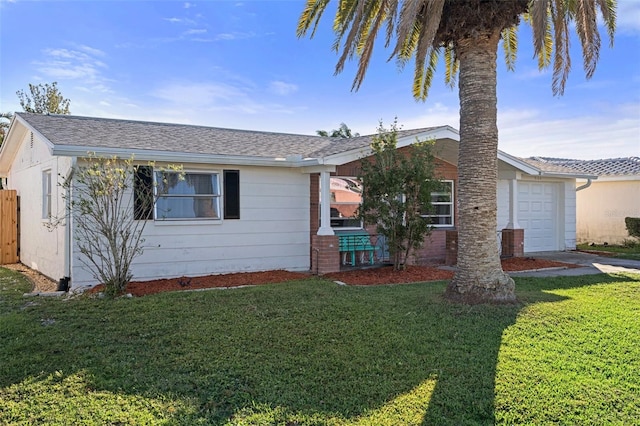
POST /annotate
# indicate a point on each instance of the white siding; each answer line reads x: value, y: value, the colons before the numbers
x: 41, y: 248
x: 272, y: 233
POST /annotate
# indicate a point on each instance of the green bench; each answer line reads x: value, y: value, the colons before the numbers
x: 355, y: 242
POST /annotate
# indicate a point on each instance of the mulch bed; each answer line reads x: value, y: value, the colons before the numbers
x: 369, y: 276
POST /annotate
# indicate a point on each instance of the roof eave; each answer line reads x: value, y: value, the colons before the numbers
x: 183, y: 157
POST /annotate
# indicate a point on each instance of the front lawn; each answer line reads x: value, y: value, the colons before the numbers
x: 627, y: 251
x: 312, y: 352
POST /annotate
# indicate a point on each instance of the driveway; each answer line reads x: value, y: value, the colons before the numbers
x: 589, y: 264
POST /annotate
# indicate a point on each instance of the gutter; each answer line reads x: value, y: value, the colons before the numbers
x: 182, y: 157
x: 585, y: 186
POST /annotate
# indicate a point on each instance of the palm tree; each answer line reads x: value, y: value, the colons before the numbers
x: 466, y: 34
x: 343, y: 132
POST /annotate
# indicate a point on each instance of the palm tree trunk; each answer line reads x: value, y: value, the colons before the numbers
x: 479, y: 277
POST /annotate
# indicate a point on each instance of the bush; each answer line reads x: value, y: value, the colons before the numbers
x: 633, y: 226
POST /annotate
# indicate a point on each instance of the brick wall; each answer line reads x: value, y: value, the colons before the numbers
x: 512, y: 242
x: 325, y: 255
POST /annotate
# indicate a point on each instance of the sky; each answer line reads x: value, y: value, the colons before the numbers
x: 239, y: 64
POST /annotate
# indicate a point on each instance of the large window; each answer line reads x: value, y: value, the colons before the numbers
x: 346, y: 197
x: 196, y: 196
x: 46, y: 194
x: 441, y: 214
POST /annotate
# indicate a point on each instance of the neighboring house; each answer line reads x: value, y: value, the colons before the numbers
x: 263, y: 192
x: 603, y: 204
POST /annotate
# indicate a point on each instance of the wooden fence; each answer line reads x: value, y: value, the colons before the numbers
x: 8, y: 226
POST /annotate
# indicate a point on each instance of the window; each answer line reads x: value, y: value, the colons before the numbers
x: 231, y: 194
x: 196, y: 197
x: 46, y: 194
x: 346, y: 197
x: 441, y: 214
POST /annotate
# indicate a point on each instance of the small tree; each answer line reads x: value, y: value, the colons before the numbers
x: 109, y: 204
x: 44, y: 99
x: 397, y: 192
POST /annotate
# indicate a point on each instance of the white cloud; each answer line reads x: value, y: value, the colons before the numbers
x: 195, y: 31
x: 628, y: 16
x: 234, y: 36
x: 82, y: 67
x: 281, y: 88
x: 531, y: 133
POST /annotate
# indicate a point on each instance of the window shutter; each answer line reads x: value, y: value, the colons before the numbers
x: 143, y: 193
x: 231, y: 194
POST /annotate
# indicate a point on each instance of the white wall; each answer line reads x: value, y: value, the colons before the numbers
x: 602, y: 207
x: 41, y: 248
x: 272, y: 232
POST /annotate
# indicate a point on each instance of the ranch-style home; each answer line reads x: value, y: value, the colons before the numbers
x: 255, y: 200
x: 602, y: 205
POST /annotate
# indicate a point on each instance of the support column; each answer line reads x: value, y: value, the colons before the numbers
x: 513, y: 205
x: 512, y: 242
x: 325, y: 204
x: 325, y: 254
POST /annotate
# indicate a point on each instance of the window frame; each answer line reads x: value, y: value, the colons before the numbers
x: 47, y: 184
x: 214, y: 196
x: 451, y: 203
x: 331, y: 202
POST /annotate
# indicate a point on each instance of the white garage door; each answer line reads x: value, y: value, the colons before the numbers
x: 538, y: 215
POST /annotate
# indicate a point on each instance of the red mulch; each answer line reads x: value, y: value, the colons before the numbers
x: 371, y: 276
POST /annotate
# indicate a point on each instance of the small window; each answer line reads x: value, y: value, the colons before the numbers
x: 441, y: 214
x: 231, y: 194
x: 46, y: 194
x: 194, y: 197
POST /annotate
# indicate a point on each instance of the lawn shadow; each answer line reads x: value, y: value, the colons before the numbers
x: 287, y: 352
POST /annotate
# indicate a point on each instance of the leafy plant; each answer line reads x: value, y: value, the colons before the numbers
x: 397, y: 191
x: 633, y: 226
x: 109, y: 212
x: 44, y: 99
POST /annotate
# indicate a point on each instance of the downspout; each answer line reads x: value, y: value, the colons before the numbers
x: 69, y: 225
x: 585, y: 186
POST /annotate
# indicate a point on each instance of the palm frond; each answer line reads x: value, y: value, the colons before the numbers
x: 510, y: 46
x: 451, y: 66
x: 587, y: 29
x: 311, y: 15
x: 562, y: 59
x: 423, y: 76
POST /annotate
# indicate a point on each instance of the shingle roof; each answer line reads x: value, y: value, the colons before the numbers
x: 549, y: 167
x: 68, y: 130
x: 606, y: 167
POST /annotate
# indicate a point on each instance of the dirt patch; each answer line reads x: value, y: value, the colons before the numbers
x: 370, y: 276
x: 39, y: 283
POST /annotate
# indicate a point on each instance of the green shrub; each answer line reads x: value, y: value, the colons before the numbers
x: 633, y: 226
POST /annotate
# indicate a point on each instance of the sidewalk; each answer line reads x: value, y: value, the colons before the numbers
x: 589, y: 264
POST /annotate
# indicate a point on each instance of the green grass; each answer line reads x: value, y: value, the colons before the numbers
x: 314, y: 353
x: 627, y: 251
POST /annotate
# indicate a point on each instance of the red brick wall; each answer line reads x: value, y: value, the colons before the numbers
x: 325, y: 255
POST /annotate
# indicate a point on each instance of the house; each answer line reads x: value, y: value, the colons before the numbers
x: 602, y: 205
x: 264, y: 193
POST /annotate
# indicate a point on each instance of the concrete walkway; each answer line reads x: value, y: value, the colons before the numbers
x: 589, y: 264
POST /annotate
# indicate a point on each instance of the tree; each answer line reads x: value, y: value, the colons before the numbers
x: 45, y: 99
x: 343, y: 132
x: 465, y: 33
x: 108, y: 201
x: 5, y: 121
x: 397, y: 189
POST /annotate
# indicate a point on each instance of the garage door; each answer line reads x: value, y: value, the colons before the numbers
x: 538, y: 215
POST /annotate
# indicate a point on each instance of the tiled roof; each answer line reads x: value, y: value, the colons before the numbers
x: 606, y: 167
x: 549, y: 167
x: 68, y: 130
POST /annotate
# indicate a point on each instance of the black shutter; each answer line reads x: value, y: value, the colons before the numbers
x: 231, y: 194
x: 143, y: 193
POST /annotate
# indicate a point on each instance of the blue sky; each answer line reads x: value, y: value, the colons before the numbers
x: 238, y: 64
